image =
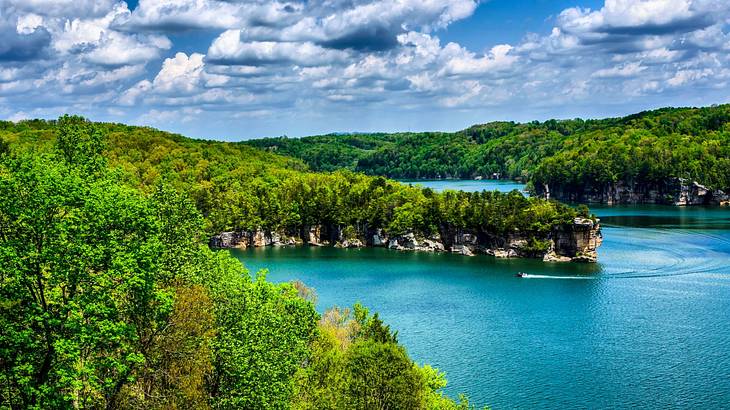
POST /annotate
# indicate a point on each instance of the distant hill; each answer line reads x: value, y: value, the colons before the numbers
x: 577, y: 159
x: 261, y: 198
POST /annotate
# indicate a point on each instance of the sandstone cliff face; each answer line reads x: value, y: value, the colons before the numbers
x: 676, y: 191
x: 577, y: 242
x: 246, y: 239
x: 409, y: 242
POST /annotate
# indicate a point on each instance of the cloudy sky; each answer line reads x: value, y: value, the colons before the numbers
x: 236, y: 69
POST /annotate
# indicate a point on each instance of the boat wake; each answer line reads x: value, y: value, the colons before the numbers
x: 529, y: 276
x: 672, y: 252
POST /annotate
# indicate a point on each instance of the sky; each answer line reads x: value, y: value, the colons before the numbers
x: 235, y: 69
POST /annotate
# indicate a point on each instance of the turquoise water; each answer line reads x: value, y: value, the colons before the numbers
x: 646, y: 327
x: 467, y: 185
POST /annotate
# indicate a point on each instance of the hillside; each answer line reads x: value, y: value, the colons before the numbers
x: 579, y: 160
x: 260, y: 199
x: 111, y: 298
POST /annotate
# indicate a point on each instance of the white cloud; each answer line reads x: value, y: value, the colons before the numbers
x: 181, y: 74
x: 367, y: 25
x: 63, y: 8
x: 28, y: 23
x: 97, y: 42
x: 467, y: 63
x: 168, y: 117
x: 312, y: 57
x: 130, y: 96
x: 642, y: 16
x: 115, y: 49
x: 626, y: 70
x: 183, y: 14
x: 228, y: 49
x: 683, y: 77
x: 18, y: 116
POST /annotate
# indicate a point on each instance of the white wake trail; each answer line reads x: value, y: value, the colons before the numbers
x: 528, y: 276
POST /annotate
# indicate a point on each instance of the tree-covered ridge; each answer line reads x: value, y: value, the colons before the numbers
x: 237, y: 187
x: 691, y: 143
x: 110, y: 298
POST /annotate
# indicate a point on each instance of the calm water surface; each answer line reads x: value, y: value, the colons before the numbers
x: 467, y: 185
x: 646, y: 327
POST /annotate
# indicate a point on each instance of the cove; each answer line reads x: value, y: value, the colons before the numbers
x: 645, y: 327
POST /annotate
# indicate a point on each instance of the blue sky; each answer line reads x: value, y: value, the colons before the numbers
x: 234, y: 69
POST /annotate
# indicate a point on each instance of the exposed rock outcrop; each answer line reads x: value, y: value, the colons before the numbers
x: 378, y: 238
x: 350, y: 243
x: 675, y: 191
x: 409, y: 242
x: 578, y: 241
x: 256, y: 238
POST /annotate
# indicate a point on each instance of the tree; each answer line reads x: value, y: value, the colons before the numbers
x: 80, y: 143
x: 381, y: 376
x: 78, y: 262
x: 263, y: 336
x: 4, y: 147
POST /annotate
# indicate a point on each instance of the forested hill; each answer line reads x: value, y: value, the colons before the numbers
x: 238, y: 188
x: 572, y: 155
x: 111, y: 298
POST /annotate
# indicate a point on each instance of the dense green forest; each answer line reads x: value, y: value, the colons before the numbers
x: 111, y: 298
x: 237, y: 187
x: 647, y: 147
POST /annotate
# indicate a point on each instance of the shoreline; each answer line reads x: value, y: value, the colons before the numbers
x: 576, y: 242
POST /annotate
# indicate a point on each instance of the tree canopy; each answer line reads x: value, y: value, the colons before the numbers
x: 650, y: 146
x: 110, y: 297
x: 237, y: 187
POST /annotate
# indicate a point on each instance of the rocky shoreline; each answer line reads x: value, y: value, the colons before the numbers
x: 576, y: 242
x: 675, y: 191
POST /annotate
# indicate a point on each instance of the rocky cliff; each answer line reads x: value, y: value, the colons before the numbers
x: 676, y: 191
x: 576, y: 242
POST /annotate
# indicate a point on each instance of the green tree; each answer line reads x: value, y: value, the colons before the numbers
x: 78, y: 262
x: 4, y: 147
x: 81, y: 143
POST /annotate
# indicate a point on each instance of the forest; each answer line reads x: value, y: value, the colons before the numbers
x: 111, y: 298
x: 644, y: 148
x: 236, y: 187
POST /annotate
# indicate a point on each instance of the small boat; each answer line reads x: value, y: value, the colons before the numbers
x: 521, y: 274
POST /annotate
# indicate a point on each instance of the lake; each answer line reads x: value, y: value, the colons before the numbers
x: 645, y: 327
x: 467, y: 185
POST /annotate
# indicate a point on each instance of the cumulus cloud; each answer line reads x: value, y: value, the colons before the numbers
x: 324, y: 56
x: 131, y: 95
x: 371, y: 25
x: 23, y: 38
x: 626, y: 70
x: 623, y: 20
x: 173, y: 15
x: 636, y: 17
x: 466, y: 63
x: 229, y: 49
x: 97, y: 42
x: 181, y: 74
x: 63, y: 8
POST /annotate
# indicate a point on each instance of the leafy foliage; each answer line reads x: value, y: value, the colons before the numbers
x: 109, y: 297
x: 356, y: 363
x: 647, y: 147
x: 237, y: 187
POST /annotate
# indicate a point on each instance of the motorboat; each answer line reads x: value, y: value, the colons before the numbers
x: 521, y: 274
